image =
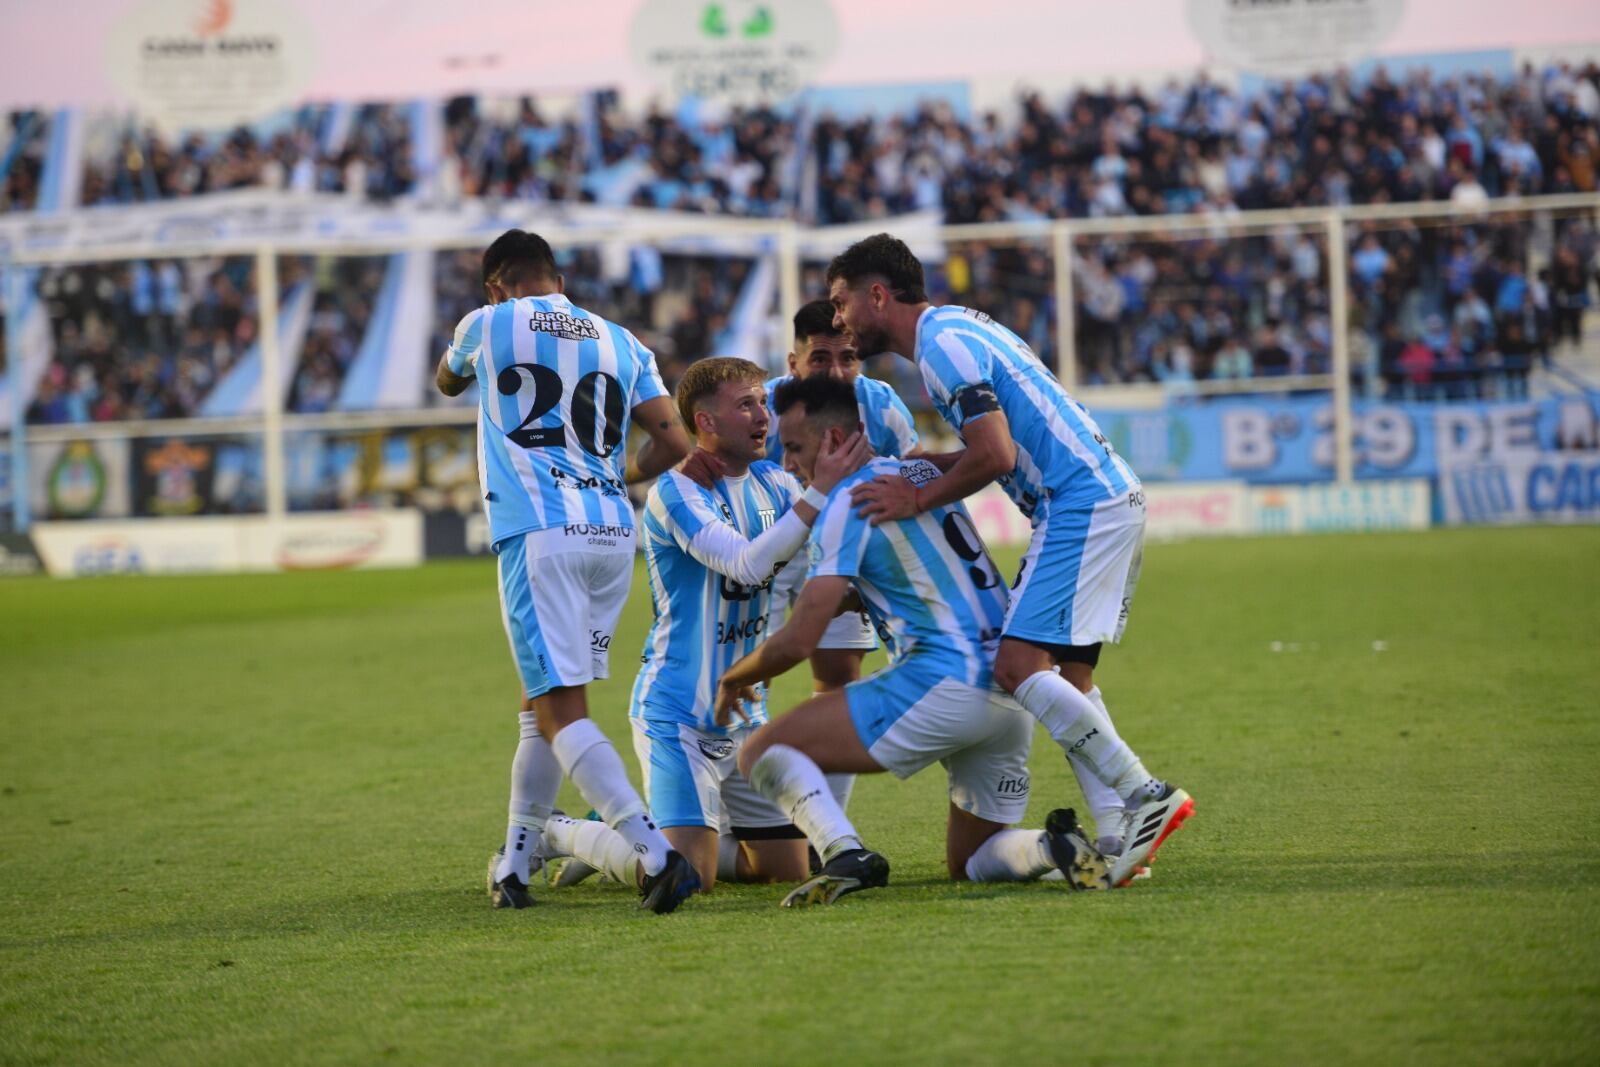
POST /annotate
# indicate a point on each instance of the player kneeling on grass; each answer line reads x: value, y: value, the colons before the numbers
x: 1018, y: 425
x: 820, y: 347
x: 938, y: 602
x: 711, y: 554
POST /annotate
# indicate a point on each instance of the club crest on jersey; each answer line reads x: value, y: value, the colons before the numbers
x: 716, y: 748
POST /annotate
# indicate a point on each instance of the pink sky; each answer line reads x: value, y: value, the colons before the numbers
x: 387, y: 49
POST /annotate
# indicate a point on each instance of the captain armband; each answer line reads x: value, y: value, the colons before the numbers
x: 974, y: 400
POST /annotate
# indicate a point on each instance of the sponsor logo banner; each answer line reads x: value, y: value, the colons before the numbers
x: 744, y: 51
x: 176, y: 546
x: 1365, y: 506
x: 211, y: 64
x: 1266, y: 440
x: 1562, y: 487
x: 1198, y: 510
x: 217, y: 544
x: 1287, y: 37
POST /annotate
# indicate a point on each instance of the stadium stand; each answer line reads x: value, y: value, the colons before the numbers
x: 1444, y: 312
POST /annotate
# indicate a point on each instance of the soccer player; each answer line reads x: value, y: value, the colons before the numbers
x: 557, y: 387
x: 711, y: 556
x: 1086, y: 506
x: 821, y: 348
x: 939, y: 603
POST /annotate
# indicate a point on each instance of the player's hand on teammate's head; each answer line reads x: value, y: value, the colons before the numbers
x: 731, y: 700
x: 836, y: 464
x: 884, y: 499
x: 702, y: 468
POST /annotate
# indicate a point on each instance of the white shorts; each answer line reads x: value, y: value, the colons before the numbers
x: 852, y: 630
x: 691, y: 778
x: 908, y: 716
x: 1079, y: 573
x: 560, y: 610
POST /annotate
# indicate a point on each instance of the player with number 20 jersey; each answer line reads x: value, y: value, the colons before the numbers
x: 557, y: 387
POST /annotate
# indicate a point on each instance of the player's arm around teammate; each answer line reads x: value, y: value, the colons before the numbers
x: 711, y: 553
x: 933, y: 704
x: 1085, y: 504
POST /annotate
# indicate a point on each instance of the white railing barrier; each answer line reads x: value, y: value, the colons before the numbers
x: 787, y: 239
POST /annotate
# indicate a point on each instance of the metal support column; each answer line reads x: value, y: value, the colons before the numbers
x: 1066, y: 312
x: 1339, y: 321
x: 21, y: 518
x: 273, y: 466
x: 788, y: 286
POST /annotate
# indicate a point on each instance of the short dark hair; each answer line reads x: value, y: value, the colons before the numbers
x: 814, y: 320
x: 517, y: 256
x: 822, y: 397
x: 884, y: 256
x: 705, y: 376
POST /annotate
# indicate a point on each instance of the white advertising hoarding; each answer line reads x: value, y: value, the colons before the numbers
x: 1328, y: 508
x: 227, y: 544
x: 1174, y: 511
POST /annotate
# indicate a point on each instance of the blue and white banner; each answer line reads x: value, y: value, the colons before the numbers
x: 1279, y: 441
x: 392, y: 369
x: 239, y: 391
x: 1559, y: 487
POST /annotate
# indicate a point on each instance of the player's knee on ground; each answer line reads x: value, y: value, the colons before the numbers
x: 965, y: 834
x: 698, y: 845
x: 774, y: 859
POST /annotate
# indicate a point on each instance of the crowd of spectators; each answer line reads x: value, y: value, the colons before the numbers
x: 677, y: 305
x: 740, y: 163
x: 142, y: 340
x: 1447, y: 310
x: 22, y: 149
x: 373, y: 160
x: 345, y: 290
x: 1455, y: 311
x: 1195, y: 145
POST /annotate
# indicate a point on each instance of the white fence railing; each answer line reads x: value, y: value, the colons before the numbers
x: 789, y: 243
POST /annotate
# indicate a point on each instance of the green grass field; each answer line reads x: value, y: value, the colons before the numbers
x: 245, y: 819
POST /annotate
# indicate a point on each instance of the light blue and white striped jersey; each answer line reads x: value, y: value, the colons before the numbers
x: 1061, y: 453
x: 890, y: 429
x: 927, y: 582
x: 705, y: 621
x: 556, y: 385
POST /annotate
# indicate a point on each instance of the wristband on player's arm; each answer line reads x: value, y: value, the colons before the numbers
x: 815, y: 497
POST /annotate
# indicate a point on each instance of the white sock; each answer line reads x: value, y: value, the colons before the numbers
x: 1011, y: 856
x: 728, y: 858
x: 1082, y: 730
x: 535, y: 781
x: 594, y: 843
x: 841, y: 785
x: 1105, y: 805
x: 591, y: 761
x: 788, y: 777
